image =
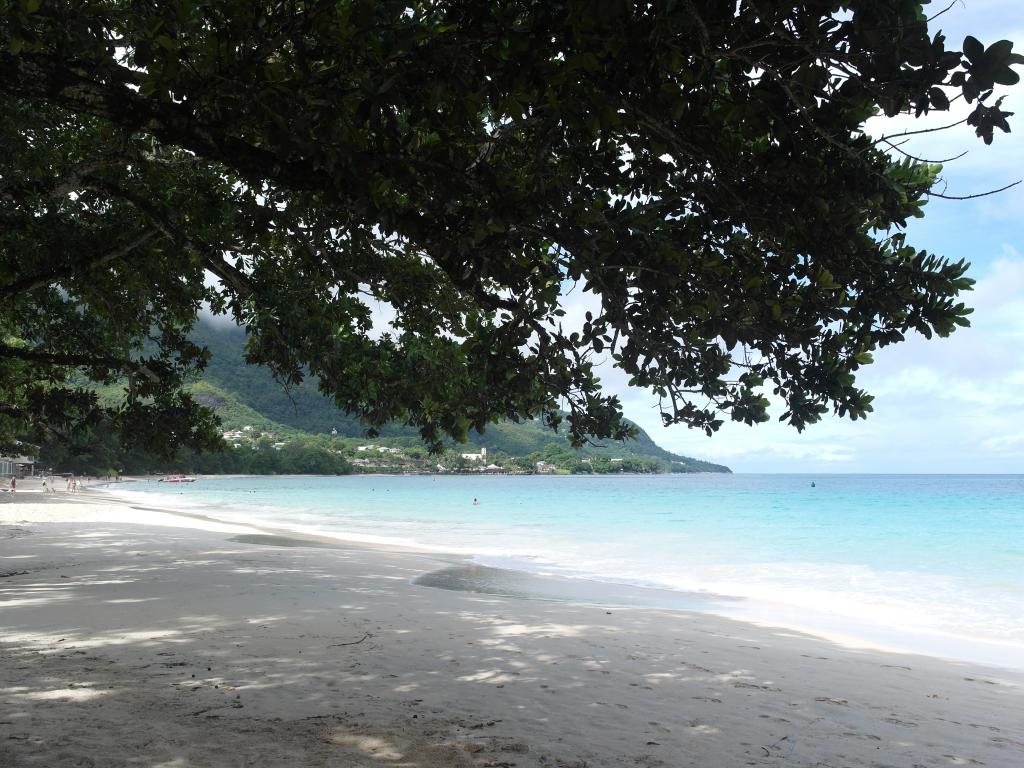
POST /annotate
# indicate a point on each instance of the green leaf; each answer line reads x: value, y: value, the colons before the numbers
x: 1005, y: 76
x: 938, y: 98
x: 998, y: 52
x: 973, y: 49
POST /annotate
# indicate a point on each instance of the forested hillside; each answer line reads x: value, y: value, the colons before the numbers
x: 248, y: 395
x: 269, y: 430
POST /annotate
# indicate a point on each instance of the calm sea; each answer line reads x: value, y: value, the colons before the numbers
x: 927, y: 562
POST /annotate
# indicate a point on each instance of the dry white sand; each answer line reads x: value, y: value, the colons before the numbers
x: 136, y: 638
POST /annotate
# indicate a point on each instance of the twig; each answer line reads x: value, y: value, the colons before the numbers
x: 354, y: 642
x: 979, y: 194
x: 920, y: 131
x: 767, y: 750
x: 922, y: 159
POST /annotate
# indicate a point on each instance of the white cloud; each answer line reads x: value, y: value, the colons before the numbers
x: 1006, y: 445
x: 792, y: 450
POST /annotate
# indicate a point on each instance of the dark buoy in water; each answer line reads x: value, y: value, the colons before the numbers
x: 812, y: 484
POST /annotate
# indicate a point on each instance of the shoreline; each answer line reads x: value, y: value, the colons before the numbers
x: 502, y: 577
x: 164, y: 640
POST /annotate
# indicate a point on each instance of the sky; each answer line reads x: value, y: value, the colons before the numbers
x: 944, y: 405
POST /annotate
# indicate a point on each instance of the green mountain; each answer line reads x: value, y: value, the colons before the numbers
x: 248, y: 395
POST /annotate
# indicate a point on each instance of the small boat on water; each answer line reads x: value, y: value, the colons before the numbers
x: 177, y: 477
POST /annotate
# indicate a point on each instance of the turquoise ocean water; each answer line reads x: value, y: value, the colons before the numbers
x: 927, y: 562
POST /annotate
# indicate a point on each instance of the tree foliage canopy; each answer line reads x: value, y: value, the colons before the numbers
x: 700, y: 167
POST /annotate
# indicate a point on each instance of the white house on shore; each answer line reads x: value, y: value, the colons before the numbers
x: 482, y: 456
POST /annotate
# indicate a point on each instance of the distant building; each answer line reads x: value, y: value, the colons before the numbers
x: 545, y: 467
x: 482, y: 456
x: 18, y: 466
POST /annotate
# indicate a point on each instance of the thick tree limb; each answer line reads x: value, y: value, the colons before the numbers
x: 38, y: 280
x: 70, y: 181
x: 36, y: 355
x: 61, y: 82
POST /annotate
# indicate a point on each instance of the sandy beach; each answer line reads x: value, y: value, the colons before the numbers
x: 135, y: 637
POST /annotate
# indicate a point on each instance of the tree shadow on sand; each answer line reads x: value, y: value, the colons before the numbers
x: 131, y: 646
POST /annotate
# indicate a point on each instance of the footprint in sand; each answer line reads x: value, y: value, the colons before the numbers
x: 989, y: 727
x: 515, y: 747
x: 1002, y: 740
x: 838, y: 702
x: 897, y: 721
x: 770, y: 688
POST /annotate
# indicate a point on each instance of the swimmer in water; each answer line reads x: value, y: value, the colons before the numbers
x: 475, y: 502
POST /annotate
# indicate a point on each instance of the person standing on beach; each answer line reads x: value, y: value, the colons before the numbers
x: 14, y: 484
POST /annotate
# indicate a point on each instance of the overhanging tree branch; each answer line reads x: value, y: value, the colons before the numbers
x: 30, y: 283
x: 36, y: 355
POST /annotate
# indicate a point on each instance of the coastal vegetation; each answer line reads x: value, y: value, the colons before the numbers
x: 275, y: 454
x: 447, y: 215
x: 266, y: 430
